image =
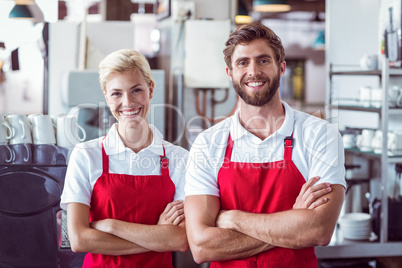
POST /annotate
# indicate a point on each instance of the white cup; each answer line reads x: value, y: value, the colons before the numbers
x: 369, y: 62
x: 349, y: 140
x: 42, y: 129
x: 395, y: 143
x: 376, y: 143
x: 365, y: 96
x: 376, y: 97
x: 395, y: 96
x: 364, y: 140
x: 68, y: 131
x: 20, y: 128
x: 5, y: 131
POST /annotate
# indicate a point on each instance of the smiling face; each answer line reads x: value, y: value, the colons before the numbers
x: 255, y: 73
x: 128, y: 96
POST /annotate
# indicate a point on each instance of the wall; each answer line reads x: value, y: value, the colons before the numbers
x: 352, y: 32
x: 103, y: 38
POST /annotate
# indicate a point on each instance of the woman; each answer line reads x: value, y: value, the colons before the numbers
x: 120, y: 189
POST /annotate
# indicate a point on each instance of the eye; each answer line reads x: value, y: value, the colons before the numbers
x: 264, y: 61
x: 242, y: 63
x: 115, y: 94
x: 137, y: 90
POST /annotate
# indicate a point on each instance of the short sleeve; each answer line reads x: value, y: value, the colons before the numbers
x: 178, y: 170
x: 77, y: 186
x: 201, y: 177
x: 326, y: 153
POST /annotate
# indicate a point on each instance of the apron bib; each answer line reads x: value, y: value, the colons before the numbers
x: 263, y: 188
x: 137, y: 199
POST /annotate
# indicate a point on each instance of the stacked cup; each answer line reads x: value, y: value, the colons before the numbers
x: 356, y: 226
x: 6, y: 153
x: 21, y: 140
x: 68, y: 132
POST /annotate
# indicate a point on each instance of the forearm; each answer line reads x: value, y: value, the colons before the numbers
x: 216, y: 244
x: 296, y: 228
x: 289, y: 229
x: 94, y: 241
x: 83, y: 238
x: 158, y: 238
x: 210, y: 243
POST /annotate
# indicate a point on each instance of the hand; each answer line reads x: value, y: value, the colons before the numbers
x: 102, y: 225
x: 310, y: 194
x: 223, y: 220
x: 173, y: 213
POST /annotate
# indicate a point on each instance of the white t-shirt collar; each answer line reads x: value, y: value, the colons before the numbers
x: 237, y: 131
x: 114, y: 145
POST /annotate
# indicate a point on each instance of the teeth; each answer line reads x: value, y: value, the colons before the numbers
x: 130, y: 112
x: 255, y: 84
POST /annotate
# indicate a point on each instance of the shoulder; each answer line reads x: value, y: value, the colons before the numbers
x: 214, y: 136
x: 88, y: 148
x: 175, y: 150
x: 312, y: 126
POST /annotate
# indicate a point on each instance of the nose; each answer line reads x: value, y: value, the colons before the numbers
x: 253, y: 69
x: 127, y: 100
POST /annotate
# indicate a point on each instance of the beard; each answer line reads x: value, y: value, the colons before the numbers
x: 260, y: 97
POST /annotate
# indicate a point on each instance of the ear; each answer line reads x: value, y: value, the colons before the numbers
x: 106, y: 98
x: 151, y: 90
x: 282, y: 67
x: 229, y: 73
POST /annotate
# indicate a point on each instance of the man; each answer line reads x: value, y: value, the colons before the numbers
x: 245, y: 173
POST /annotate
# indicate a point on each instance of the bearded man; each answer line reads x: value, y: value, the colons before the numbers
x: 249, y: 200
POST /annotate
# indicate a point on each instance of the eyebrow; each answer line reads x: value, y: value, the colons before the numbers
x: 119, y: 89
x: 258, y: 57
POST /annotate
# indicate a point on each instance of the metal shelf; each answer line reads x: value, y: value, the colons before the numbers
x: 392, y: 72
x: 340, y: 247
x: 383, y: 247
x: 392, y: 159
x: 391, y: 111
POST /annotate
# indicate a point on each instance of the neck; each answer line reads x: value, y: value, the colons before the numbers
x: 135, y: 136
x: 262, y: 121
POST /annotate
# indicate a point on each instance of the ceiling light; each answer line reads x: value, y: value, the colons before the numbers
x: 271, y: 5
x: 319, y: 43
x: 20, y: 12
x: 242, y: 14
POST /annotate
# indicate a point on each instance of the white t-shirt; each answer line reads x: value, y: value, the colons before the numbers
x: 85, y: 164
x: 317, y: 150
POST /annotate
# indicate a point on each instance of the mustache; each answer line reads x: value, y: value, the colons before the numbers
x: 256, y: 78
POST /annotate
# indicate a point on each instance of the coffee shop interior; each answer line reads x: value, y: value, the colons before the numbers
x: 344, y: 64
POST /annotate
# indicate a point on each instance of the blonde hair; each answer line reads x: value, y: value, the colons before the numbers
x: 121, y: 61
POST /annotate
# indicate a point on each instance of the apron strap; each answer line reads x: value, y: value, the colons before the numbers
x: 105, y: 160
x: 288, y: 143
x: 228, y: 152
x: 164, y: 163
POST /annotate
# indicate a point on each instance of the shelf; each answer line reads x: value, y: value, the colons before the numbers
x: 391, y: 110
x: 392, y: 72
x: 372, y: 155
x: 344, y: 248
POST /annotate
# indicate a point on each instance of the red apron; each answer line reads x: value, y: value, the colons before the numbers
x: 139, y: 199
x: 263, y: 188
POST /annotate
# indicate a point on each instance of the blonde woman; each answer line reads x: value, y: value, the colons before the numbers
x: 123, y: 192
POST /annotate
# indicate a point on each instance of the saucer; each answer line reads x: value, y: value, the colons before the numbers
x: 366, y: 149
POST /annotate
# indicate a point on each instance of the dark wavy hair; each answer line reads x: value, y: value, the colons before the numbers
x: 246, y: 33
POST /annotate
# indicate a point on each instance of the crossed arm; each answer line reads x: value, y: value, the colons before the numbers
x: 228, y: 235
x: 115, y: 237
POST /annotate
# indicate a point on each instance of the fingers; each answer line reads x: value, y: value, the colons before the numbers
x: 316, y: 194
x: 175, y: 208
x: 310, y: 195
x: 318, y: 203
x: 173, y: 213
x: 309, y: 184
x: 171, y: 205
